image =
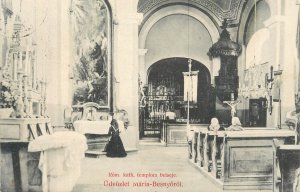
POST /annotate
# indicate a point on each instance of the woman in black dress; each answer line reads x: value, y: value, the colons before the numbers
x: 115, y: 146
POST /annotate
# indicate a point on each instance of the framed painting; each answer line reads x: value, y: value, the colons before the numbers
x: 91, y: 23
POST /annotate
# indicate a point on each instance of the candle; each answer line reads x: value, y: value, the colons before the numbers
x: 6, y: 59
x: 20, y: 60
x: 26, y: 61
x: 232, y: 96
x: 29, y: 64
x: 271, y: 72
x: 15, y: 65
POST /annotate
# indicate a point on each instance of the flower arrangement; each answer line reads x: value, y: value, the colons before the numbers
x: 8, y: 90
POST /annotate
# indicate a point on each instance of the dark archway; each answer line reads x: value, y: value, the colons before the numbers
x: 166, y: 90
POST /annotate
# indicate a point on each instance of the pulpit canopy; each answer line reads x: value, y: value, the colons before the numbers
x: 225, y: 46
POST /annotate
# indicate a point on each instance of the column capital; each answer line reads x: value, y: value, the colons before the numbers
x: 130, y: 19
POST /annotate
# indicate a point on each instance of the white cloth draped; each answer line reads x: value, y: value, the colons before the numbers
x: 92, y: 127
x: 190, y: 86
x: 60, y: 159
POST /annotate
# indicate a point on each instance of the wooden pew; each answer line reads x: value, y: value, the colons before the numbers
x: 200, y: 147
x: 207, y: 150
x: 195, y: 147
x: 286, y: 166
x: 247, y: 160
x: 216, y: 154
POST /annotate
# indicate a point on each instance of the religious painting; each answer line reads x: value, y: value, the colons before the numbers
x: 91, y: 27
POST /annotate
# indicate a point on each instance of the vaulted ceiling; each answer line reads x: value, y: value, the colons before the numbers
x: 216, y: 9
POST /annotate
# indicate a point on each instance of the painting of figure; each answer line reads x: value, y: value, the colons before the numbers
x: 90, y: 33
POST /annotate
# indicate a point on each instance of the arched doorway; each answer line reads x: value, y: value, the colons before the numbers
x: 165, y: 95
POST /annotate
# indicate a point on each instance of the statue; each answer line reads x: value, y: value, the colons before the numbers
x: 19, y: 108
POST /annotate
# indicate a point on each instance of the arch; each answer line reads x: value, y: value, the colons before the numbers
x: 166, y: 89
x: 177, y: 9
x: 173, y: 10
x: 160, y: 62
x: 247, y: 11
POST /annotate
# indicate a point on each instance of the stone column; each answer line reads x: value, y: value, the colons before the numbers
x: 283, y: 30
x: 142, y: 67
x: 274, y: 24
x: 126, y: 63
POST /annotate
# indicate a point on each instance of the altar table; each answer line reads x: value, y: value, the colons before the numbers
x: 92, y: 127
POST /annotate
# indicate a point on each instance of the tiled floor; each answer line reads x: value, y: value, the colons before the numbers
x: 148, y: 160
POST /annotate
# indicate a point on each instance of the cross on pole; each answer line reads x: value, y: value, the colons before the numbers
x: 188, y: 99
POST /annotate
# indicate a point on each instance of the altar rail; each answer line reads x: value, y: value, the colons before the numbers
x: 238, y: 159
x: 176, y: 134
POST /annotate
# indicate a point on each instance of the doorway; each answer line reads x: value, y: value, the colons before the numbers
x: 258, y: 112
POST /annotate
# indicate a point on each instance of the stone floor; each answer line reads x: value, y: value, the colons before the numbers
x: 151, y: 160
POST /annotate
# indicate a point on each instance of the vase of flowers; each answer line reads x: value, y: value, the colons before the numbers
x: 8, y: 94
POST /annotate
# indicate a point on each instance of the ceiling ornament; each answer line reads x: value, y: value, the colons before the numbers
x: 231, y: 12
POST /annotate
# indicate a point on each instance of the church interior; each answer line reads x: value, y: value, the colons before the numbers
x: 210, y: 86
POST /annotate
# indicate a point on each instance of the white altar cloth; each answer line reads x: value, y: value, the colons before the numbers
x: 92, y: 127
x: 60, y: 159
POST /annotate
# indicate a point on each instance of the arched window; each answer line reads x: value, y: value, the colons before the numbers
x: 91, y: 27
x: 260, y: 12
x: 256, y: 35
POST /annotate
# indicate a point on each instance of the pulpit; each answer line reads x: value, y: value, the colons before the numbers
x: 227, y: 81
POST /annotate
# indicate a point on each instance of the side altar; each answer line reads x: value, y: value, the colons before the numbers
x: 19, y: 169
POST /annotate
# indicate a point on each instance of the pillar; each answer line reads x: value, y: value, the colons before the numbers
x: 126, y: 63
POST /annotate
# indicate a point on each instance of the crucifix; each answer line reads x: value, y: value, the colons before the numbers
x: 232, y: 104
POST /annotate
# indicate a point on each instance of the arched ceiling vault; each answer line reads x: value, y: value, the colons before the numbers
x: 216, y: 9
